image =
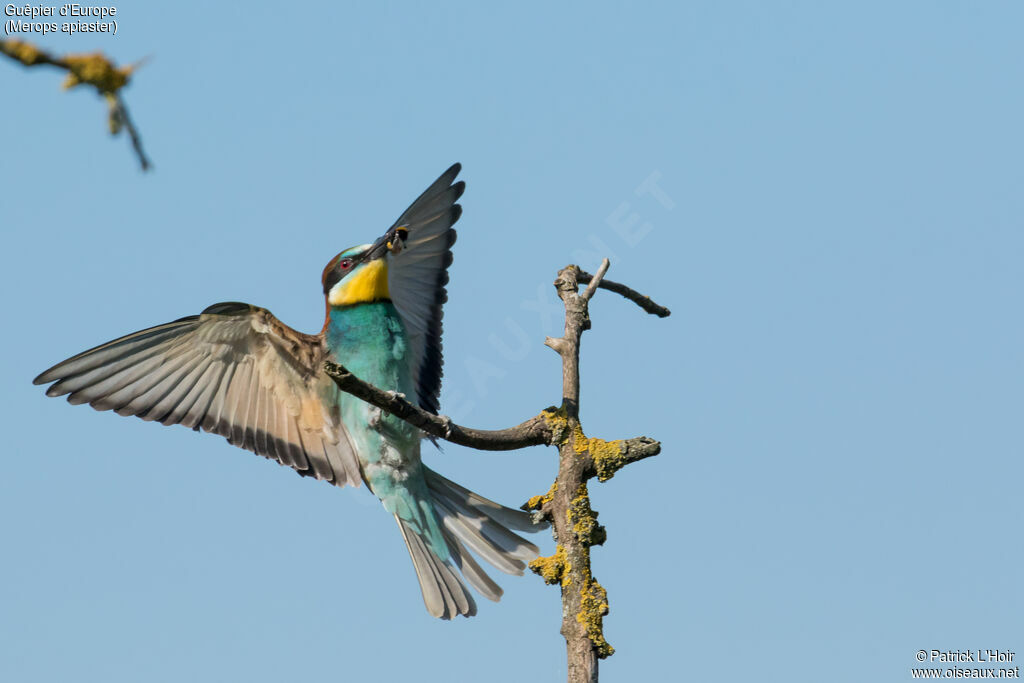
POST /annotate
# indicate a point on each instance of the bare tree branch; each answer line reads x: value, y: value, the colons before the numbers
x: 595, y: 281
x: 533, y: 432
x: 567, y: 504
x: 90, y: 69
x: 537, y: 431
x: 636, y: 297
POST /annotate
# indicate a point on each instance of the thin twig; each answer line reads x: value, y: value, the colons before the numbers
x: 595, y: 281
x: 636, y: 297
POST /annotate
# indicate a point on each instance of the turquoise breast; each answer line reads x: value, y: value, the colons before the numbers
x: 369, y: 339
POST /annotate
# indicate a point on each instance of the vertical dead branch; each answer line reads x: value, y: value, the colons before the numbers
x: 567, y: 505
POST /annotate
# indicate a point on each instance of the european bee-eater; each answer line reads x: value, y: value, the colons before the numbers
x: 237, y: 371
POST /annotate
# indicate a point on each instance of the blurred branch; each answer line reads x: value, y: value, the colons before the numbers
x: 567, y: 504
x: 93, y: 69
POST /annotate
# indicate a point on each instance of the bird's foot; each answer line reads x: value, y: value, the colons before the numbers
x: 447, y: 426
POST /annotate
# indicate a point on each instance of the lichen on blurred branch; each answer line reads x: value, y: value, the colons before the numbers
x: 93, y: 69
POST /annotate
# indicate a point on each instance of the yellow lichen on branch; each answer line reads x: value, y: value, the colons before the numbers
x: 593, y: 607
x: 557, y: 420
x: 96, y: 70
x: 602, y: 458
x: 553, y: 569
x: 583, y: 519
x: 93, y: 69
x: 26, y: 53
x: 609, y: 457
x: 537, y: 502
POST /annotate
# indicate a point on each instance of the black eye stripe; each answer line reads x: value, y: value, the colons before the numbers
x: 333, y: 276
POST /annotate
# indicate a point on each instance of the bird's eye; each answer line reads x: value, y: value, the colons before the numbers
x: 345, y: 263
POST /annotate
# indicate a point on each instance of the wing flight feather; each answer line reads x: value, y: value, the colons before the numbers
x: 235, y: 370
x: 417, y: 277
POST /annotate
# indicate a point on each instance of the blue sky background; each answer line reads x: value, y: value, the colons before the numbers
x: 837, y: 392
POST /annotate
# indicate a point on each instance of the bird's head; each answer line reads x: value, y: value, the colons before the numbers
x: 360, y: 274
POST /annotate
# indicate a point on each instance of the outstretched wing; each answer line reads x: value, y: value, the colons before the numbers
x: 417, y: 276
x: 234, y: 370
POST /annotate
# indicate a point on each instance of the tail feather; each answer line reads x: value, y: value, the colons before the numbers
x: 467, y: 520
x: 507, y: 517
x: 444, y: 594
x: 462, y: 528
x: 472, y: 571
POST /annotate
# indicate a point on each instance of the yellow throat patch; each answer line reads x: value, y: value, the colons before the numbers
x: 368, y: 283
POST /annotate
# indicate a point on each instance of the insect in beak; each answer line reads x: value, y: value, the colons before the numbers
x: 397, y: 240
